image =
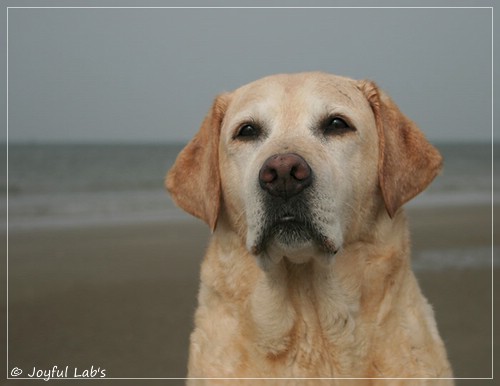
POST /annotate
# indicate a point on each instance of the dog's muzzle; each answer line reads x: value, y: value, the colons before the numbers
x: 288, y: 227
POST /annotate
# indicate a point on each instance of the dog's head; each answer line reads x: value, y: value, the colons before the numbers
x: 299, y: 164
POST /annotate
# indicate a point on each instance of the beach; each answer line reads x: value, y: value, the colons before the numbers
x: 122, y: 297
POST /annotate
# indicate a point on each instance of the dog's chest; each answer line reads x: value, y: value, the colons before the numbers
x: 306, y: 330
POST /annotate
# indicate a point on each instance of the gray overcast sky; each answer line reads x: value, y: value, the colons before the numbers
x: 150, y: 74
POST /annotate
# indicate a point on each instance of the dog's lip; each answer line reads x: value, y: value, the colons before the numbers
x: 290, y: 219
x: 287, y: 218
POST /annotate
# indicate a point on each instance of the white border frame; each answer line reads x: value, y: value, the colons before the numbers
x: 9, y: 371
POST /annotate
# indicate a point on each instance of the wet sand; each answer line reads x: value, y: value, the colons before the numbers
x: 122, y: 298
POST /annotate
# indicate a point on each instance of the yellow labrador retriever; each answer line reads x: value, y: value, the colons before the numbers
x: 301, y: 178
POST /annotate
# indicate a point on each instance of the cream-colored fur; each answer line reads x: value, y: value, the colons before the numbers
x: 347, y: 306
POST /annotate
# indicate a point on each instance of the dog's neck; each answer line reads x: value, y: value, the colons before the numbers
x: 290, y: 297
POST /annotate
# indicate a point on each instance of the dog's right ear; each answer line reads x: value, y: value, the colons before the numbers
x: 194, y: 180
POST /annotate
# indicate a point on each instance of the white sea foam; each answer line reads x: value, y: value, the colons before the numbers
x: 463, y: 258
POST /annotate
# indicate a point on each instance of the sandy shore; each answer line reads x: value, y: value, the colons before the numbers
x: 122, y: 298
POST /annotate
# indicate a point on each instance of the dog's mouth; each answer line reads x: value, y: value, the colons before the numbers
x: 287, y: 218
x: 290, y: 228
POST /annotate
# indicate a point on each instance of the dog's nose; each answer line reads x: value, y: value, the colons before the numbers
x: 285, y: 175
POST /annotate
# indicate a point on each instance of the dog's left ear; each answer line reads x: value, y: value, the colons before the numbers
x: 194, y: 180
x: 407, y: 161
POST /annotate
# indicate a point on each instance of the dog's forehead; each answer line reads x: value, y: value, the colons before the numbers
x: 288, y: 91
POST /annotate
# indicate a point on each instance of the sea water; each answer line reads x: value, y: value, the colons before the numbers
x: 72, y: 185
x: 63, y: 185
x: 75, y: 185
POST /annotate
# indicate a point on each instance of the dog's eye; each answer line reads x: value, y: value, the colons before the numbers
x: 248, y: 131
x: 336, y: 125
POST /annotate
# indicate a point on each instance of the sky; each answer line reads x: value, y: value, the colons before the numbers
x: 150, y: 75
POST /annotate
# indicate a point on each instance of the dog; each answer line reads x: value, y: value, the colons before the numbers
x: 302, y: 179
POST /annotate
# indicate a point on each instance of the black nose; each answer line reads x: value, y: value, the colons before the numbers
x: 285, y: 175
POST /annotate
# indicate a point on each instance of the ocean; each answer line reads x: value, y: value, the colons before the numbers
x: 53, y: 185
x: 80, y: 185
x: 61, y: 186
